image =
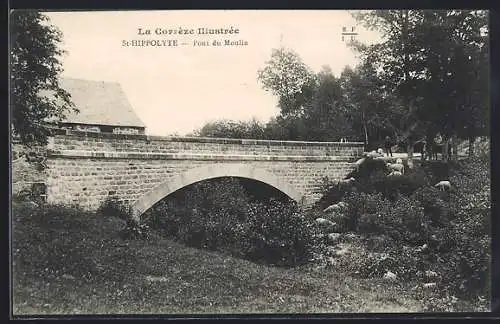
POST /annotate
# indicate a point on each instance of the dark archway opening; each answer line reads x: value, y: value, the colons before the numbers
x: 238, y: 216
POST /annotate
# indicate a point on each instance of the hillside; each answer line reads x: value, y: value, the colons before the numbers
x: 75, y: 263
x: 67, y: 261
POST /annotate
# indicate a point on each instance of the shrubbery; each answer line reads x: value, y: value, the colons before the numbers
x: 113, y: 207
x: 371, y: 178
x: 277, y: 233
x: 454, y: 227
x: 219, y: 215
x: 39, y: 235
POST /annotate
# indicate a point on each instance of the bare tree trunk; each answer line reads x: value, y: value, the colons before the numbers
x: 446, y: 145
x: 366, y: 134
x: 409, y: 149
x: 454, y: 146
x: 404, y: 35
x: 472, y: 139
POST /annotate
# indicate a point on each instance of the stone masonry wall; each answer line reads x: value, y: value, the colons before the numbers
x: 23, y: 173
x: 85, y: 168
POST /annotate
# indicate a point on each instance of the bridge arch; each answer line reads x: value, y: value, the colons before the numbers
x: 209, y: 172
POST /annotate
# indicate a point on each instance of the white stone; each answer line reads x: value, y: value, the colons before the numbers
x: 430, y: 274
x: 333, y: 237
x: 156, y: 279
x: 390, y: 275
x: 430, y: 285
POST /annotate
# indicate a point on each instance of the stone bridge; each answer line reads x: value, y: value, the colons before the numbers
x: 85, y: 167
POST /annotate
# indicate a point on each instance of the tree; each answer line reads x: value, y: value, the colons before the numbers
x: 398, y: 63
x: 428, y: 59
x: 232, y: 129
x: 371, y: 110
x: 325, y: 116
x: 288, y: 78
x: 457, y: 74
x: 36, y: 97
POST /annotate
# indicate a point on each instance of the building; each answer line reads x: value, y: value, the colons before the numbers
x: 103, y: 107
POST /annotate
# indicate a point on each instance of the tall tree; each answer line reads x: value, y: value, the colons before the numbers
x: 288, y: 78
x: 396, y: 60
x: 324, y: 114
x: 232, y: 129
x: 36, y: 97
x: 428, y: 58
x: 371, y: 109
x: 456, y: 85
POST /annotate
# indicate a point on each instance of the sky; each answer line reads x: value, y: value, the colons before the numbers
x: 177, y: 89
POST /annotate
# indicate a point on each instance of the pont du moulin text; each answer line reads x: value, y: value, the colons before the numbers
x: 182, y: 31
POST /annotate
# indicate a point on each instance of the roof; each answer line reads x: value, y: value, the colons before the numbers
x: 99, y: 103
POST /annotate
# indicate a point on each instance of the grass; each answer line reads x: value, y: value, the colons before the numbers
x: 71, y: 262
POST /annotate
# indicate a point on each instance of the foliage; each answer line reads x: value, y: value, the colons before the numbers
x: 97, y: 272
x: 219, y: 215
x: 113, y: 207
x: 454, y: 227
x: 434, y: 203
x: 436, y: 63
x: 36, y: 97
x: 311, y: 105
x: 370, y: 108
x: 52, y: 240
x: 470, y: 205
x: 325, y: 114
x: 332, y: 192
x: 278, y: 234
x: 360, y: 204
x: 288, y: 78
x: 233, y: 129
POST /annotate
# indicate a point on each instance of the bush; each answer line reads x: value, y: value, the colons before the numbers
x: 403, y: 221
x: 469, y: 232
x: 360, y: 206
x: 434, y: 203
x: 133, y: 229
x: 55, y: 240
x: 278, y: 233
x: 454, y: 225
x: 219, y: 215
x: 203, y: 214
x: 332, y: 192
x: 114, y: 207
x: 369, y: 167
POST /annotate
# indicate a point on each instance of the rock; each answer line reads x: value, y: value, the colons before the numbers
x: 422, y: 248
x: 322, y: 221
x: 330, y: 208
x: 156, y: 279
x: 340, y: 206
x: 330, y: 250
x: 67, y: 276
x: 325, y: 224
x: 333, y: 238
x: 430, y: 274
x: 343, y: 249
x: 390, y: 276
x: 30, y: 204
x: 430, y: 285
